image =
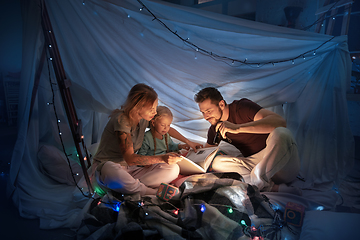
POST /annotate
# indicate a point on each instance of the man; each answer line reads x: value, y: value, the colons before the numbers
x: 270, y: 158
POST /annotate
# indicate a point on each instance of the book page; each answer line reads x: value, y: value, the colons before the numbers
x: 201, y: 154
x: 188, y: 167
x: 197, y: 162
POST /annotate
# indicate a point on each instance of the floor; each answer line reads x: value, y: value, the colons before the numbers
x: 11, y: 222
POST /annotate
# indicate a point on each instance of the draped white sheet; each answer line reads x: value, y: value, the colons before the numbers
x: 107, y: 46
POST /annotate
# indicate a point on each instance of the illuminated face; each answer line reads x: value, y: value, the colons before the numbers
x: 211, y: 112
x: 162, y: 124
x: 148, y: 112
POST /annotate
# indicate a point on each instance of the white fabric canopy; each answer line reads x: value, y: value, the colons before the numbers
x: 107, y: 46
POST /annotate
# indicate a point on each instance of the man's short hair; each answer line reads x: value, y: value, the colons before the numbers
x: 209, y: 93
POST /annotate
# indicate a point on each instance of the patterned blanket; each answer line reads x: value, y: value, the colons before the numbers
x: 208, y: 206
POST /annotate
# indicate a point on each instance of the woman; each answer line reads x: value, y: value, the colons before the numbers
x: 119, y: 168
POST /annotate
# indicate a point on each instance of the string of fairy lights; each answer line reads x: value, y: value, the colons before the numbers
x: 58, y: 121
x: 324, y: 16
x: 97, y: 190
x: 229, y: 60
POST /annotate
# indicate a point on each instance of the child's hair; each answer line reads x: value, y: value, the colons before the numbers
x: 162, y: 111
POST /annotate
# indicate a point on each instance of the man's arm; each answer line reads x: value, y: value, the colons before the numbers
x: 131, y: 158
x: 265, y: 121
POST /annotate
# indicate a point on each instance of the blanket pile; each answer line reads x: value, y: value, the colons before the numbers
x: 208, y: 206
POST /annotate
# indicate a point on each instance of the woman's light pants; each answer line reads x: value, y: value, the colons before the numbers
x: 134, y: 179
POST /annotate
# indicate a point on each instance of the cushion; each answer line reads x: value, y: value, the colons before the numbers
x: 54, y: 164
x: 330, y: 225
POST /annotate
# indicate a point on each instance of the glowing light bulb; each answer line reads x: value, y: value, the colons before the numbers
x: 230, y: 210
x: 202, y: 208
x: 320, y: 208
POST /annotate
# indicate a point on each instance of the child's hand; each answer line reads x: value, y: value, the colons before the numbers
x: 171, y: 158
x: 184, y: 146
x: 194, y: 145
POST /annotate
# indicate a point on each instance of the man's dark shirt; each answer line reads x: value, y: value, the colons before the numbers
x: 242, y: 111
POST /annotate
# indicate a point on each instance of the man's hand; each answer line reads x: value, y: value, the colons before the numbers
x: 265, y: 121
x: 171, y: 158
x: 225, y: 127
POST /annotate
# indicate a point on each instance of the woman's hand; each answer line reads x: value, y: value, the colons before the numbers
x: 171, y: 158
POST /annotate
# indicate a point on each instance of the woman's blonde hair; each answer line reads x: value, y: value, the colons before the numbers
x: 140, y: 95
x: 162, y: 111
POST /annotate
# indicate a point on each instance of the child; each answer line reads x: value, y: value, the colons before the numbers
x: 157, y: 140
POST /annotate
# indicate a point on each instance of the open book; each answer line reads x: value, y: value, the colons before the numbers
x: 198, y: 162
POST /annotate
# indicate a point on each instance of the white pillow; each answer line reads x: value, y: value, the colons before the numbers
x: 54, y: 164
x: 330, y: 225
